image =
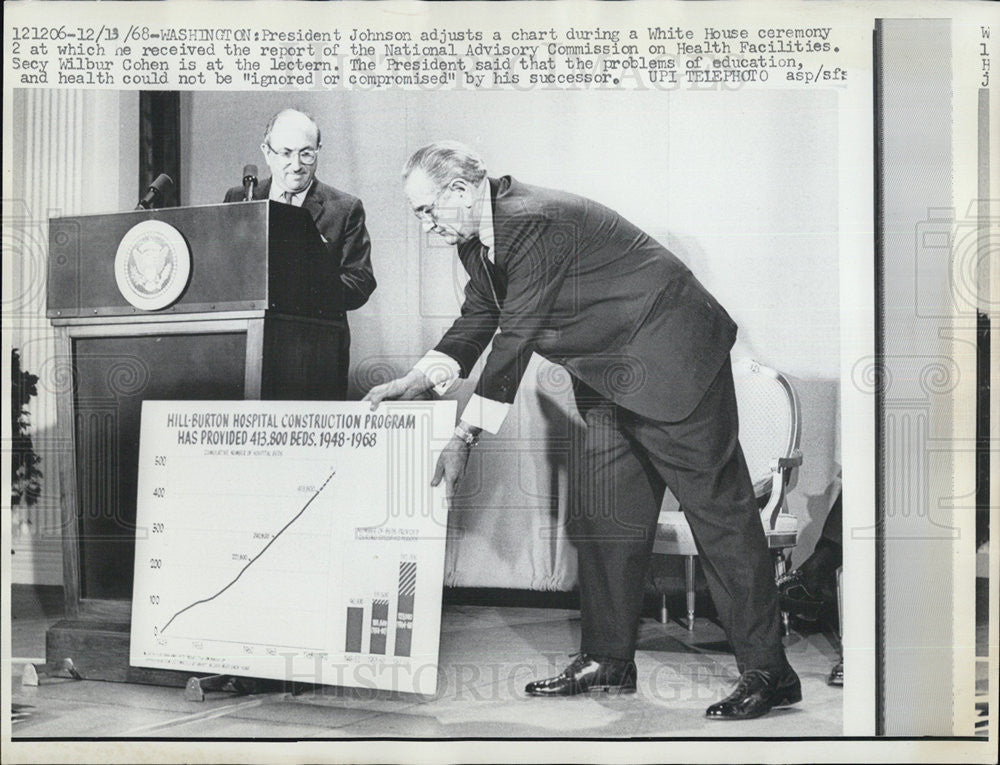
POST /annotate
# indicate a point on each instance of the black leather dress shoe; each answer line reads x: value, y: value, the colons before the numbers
x: 756, y: 693
x: 587, y: 674
x: 801, y: 597
x: 836, y: 677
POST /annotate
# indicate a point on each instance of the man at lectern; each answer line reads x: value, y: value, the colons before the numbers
x: 291, y: 148
x: 648, y: 348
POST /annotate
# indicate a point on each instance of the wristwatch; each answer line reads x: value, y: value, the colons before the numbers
x: 467, y: 436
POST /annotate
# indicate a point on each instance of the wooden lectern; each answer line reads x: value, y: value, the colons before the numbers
x: 259, y: 315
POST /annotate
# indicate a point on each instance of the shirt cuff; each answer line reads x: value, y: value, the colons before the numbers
x: 441, y: 369
x: 485, y: 413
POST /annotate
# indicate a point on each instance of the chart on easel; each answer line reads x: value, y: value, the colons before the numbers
x: 293, y: 541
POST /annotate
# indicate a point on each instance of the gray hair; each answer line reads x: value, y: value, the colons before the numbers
x: 282, y: 113
x: 443, y: 161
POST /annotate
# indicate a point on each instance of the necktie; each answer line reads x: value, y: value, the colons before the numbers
x: 286, y: 197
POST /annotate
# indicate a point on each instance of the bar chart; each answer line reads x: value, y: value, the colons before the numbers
x: 389, y: 619
x: 404, y: 607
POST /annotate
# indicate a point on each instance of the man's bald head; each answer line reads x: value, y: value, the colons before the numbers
x: 293, y: 117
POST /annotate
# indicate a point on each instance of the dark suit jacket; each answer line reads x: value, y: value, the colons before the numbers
x: 340, y: 218
x: 583, y: 287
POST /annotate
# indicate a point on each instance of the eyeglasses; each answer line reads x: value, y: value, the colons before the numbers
x: 306, y: 156
x: 426, y: 213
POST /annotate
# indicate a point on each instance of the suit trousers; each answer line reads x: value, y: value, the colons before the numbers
x: 628, y: 459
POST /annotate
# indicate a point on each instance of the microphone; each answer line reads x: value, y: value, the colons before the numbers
x: 249, y: 181
x: 156, y: 190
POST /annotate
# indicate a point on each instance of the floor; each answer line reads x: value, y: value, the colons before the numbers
x: 487, y: 655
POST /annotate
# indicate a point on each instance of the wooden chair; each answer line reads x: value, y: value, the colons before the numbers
x: 769, y: 419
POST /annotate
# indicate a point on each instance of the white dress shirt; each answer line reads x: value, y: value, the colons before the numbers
x: 442, y: 370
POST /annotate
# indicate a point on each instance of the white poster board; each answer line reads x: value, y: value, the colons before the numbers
x: 292, y: 541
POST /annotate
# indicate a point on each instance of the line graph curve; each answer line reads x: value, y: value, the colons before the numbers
x: 254, y: 559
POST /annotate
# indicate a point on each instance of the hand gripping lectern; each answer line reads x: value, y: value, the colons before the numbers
x: 229, y: 301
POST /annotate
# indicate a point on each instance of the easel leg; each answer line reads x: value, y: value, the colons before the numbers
x: 52, y: 669
x: 241, y: 686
